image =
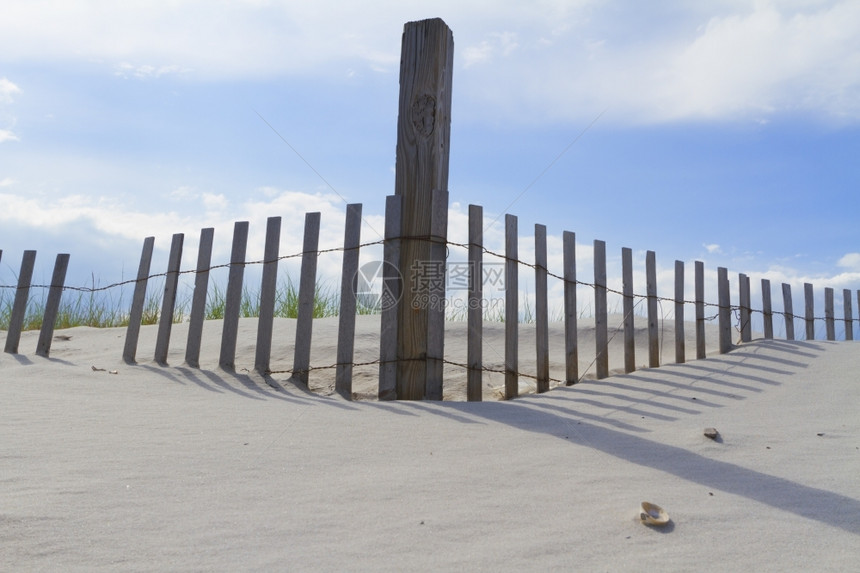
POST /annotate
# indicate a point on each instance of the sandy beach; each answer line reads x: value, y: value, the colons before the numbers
x: 170, y: 468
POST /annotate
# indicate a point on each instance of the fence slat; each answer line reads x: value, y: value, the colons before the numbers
x: 474, y: 350
x: 745, y: 311
x: 810, y: 311
x: 52, y: 305
x: 849, y: 316
x: 198, y: 301
x: 307, y: 292
x: 767, y: 309
x: 788, y: 311
x: 346, y: 325
x: 601, y: 338
x: 700, y: 310
x: 571, y: 347
x: 511, y: 308
x: 392, y: 292
x: 436, y: 312
x: 268, y: 288
x: 680, y: 346
x: 829, y: 317
x: 725, y: 312
x: 135, y: 314
x: 233, y: 297
x: 541, y: 310
x: 168, y: 299
x: 19, y: 306
x: 653, y: 323
x: 627, y: 306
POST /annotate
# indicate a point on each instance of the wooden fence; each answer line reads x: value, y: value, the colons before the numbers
x: 734, y: 321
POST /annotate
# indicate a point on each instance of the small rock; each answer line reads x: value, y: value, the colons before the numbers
x: 820, y: 434
x: 711, y: 433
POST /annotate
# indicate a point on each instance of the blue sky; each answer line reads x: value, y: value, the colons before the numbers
x: 727, y: 131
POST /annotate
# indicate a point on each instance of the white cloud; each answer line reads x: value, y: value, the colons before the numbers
x: 8, y: 90
x: 6, y: 181
x: 713, y: 248
x: 7, y: 135
x: 145, y: 71
x: 850, y: 261
x: 546, y: 60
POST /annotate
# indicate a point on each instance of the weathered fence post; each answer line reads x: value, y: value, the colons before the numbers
x: 651, y: 291
x: 700, y: 310
x: 788, y: 311
x: 849, y: 315
x: 766, y: 309
x: 307, y: 291
x: 19, y: 307
x: 829, y: 318
x: 346, y: 320
x: 680, y: 346
x: 810, y: 311
x: 138, y: 299
x: 725, y: 310
x: 423, y: 134
x: 436, y: 310
x: 541, y: 310
x: 268, y: 288
x: 233, y: 298
x: 474, y: 350
x: 198, y: 301
x: 52, y: 305
x: 745, y: 310
x: 571, y: 350
x: 168, y: 300
x: 627, y: 307
x: 392, y: 291
x: 601, y: 338
x: 512, y: 311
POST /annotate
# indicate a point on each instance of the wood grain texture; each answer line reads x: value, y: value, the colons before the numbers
x: 541, y: 310
x: 512, y: 312
x: 627, y: 307
x: 725, y: 310
x: 474, y: 350
x: 680, y: 348
x: 135, y: 314
x: 392, y: 292
x: 19, y: 306
x: 346, y: 319
x: 168, y: 299
x: 307, y: 291
x: 767, y: 309
x: 700, y: 309
x: 423, y: 135
x: 788, y: 311
x: 268, y: 288
x: 198, y: 302
x: 571, y: 345
x: 653, y: 318
x: 233, y: 297
x: 52, y: 305
x: 601, y: 334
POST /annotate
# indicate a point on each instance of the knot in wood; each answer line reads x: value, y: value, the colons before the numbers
x: 424, y: 114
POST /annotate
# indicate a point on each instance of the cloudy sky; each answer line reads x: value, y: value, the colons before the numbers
x: 725, y: 131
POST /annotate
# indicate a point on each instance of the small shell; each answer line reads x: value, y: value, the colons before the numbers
x: 653, y: 514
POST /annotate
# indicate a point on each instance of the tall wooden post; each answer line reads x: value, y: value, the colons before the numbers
x: 423, y: 135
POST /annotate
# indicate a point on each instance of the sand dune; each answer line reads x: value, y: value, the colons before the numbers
x: 179, y: 469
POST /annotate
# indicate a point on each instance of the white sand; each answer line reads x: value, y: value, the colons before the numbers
x: 176, y: 469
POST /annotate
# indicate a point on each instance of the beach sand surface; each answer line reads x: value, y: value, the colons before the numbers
x: 172, y: 468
